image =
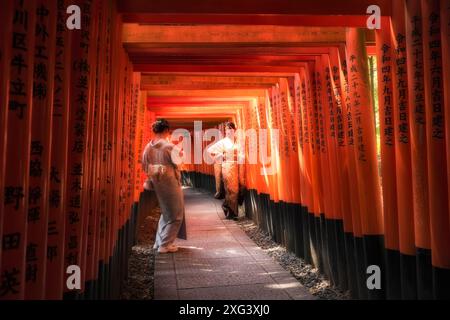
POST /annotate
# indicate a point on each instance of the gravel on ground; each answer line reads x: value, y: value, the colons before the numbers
x: 141, y: 263
x: 305, y: 273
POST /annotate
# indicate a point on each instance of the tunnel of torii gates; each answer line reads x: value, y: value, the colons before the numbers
x: 363, y: 119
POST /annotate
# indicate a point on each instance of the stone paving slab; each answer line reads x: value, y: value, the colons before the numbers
x: 220, y: 262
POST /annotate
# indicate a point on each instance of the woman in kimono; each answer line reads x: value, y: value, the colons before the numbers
x: 227, y: 152
x: 165, y: 179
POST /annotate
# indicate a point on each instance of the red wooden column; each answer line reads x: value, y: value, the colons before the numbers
x: 290, y: 156
x: 40, y: 152
x: 305, y: 147
x: 342, y: 164
x: 262, y: 125
x: 436, y: 146
x: 355, y: 244
x: 445, y: 30
x: 58, y: 171
x: 139, y: 114
x: 385, y: 64
x: 18, y: 141
x: 89, y: 192
x: 80, y: 93
x: 332, y: 105
x: 105, y: 154
x: 418, y: 137
x: 143, y: 137
x: 403, y: 156
x: 115, y: 138
x: 365, y: 152
x: 327, y: 211
x: 275, y: 143
x: 283, y: 154
x: 293, y: 142
x: 316, y: 174
x: 95, y: 146
x: 6, y: 15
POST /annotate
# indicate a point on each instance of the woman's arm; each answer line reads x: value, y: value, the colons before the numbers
x: 215, y: 149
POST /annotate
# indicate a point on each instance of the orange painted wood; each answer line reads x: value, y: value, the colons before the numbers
x: 324, y: 167
x: 436, y: 140
x: 58, y: 171
x: 40, y: 151
x: 342, y: 162
x: 445, y: 30
x: 403, y: 143
x: 313, y: 111
x: 350, y: 143
x: 305, y: 143
x: 417, y: 120
x: 80, y: 103
x: 364, y: 134
x: 5, y: 57
x: 95, y: 144
x: 388, y: 133
x: 18, y: 142
x: 330, y: 111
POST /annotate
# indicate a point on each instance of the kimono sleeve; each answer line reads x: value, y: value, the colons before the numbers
x: 216, y: 148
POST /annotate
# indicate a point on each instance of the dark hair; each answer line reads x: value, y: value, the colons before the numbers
x: 230, y: 125
x: 160, y: 125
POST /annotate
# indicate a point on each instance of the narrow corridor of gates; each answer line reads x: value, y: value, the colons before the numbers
x: 345, y: 148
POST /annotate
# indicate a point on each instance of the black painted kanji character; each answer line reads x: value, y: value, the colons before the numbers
x: 36, y: 148
x: 17, y: 87
x: 75, y: 201
x: 76, y: 185
x: 40, y: 52
x: 34, y: 195
x: 19, y: 63
x: 80, y: 129
x: 21, y: 17
x: 83, y: 82
x: 80, y: 114
x: 71, y: 258
x: 73, y: 217
x: 82, y: 97
x: 31, y: 252
x: 39, y: 90
x: 16, y: 105
x: 40, y: 71
x: 34, y: 214
x: 77, y: 169
x: 55, y: 198
x: 13, y: 195
x: 73, y: 242
x: 52, y: 252
x: 41, y: 31
x: 78, y: 146
x: 81, y: 66
x: 54, y: 175
x: 31, y: 272
x: 9, y: 282
x: 19, y: 41
x: 52, y: 231
x: 11, y: 241
x: 42, y: 11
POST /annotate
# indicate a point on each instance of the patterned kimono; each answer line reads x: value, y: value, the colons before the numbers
x: 220, y: 191
x: 226, y: 153
x: 165, y: 180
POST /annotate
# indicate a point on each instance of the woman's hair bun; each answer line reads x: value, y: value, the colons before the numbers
x: 230, y: 125
x: 160, y: 125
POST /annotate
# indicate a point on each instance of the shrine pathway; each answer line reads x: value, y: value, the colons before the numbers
x: 219, y: 261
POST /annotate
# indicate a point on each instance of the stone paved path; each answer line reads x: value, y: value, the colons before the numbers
x: 220, y: 262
